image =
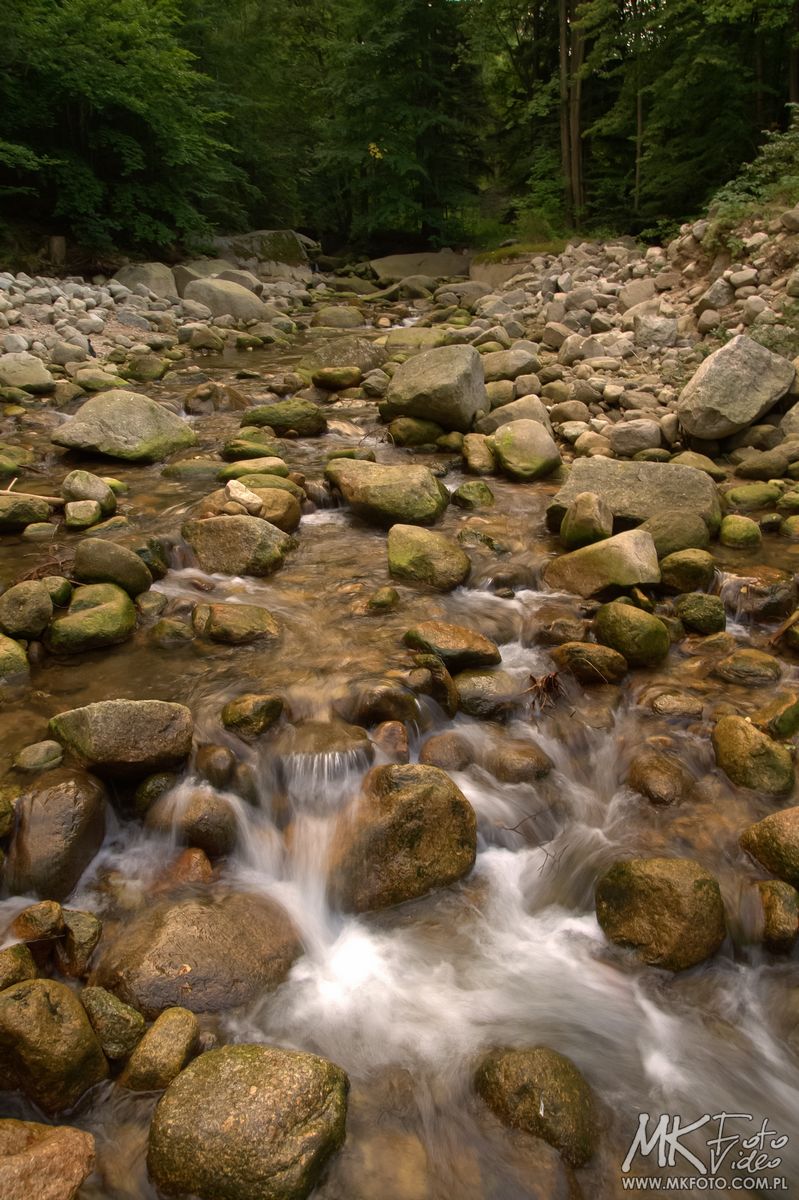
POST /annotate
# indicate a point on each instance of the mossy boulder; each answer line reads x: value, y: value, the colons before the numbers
x: 641, y: 638
x: 99, y: 615
x: 411, y: 431
x: 525, y: 450
x: 774, y: 843
x: 668, y: 910
x: 248, y: 1121
x: 750, y: 758
x: 162, y: 1052
x: 749, y: 497
x: 125, y: 425
x: 252, y: 714
x: 237, y: 545
x: 590, y: 663
x: 473, y: 495
x: 17, y: 511
x: 119, y: 1027
x: 410, y: 831
x: 687, y: 571
x: 384, y: 494
x: 302, y: 417
x: 681, y: 529
x: 455, y: 645
x: 701, y: 613
x: 423, y: 556
x: 13, y: 661
x: 25, y: 609
x: 543, y: 1093
x: 739, y: 532
x: 100, y: 561
x: 626, y: 560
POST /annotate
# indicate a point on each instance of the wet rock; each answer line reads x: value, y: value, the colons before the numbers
x: 749, y: 758
x: 700, y: 613
x: 371, y: 701
x: 336, y: 379
x: 125, y: 425
x: 25, y: 610
x: 385, y: 494
x: 201, y: 818
x: 60, y: 828
x: 410, y: 431
x: 660, y: 777
x: 82, y: 514
x: 525, y: 450
x: 99, y: 615
x: 488, y: 694
x: 78, y: 942
x: 301, y: 417
x: 478, y: 456
x: 410, y: 831
x: 444, y: 385
x: 668, y: 910
x: 39, y: 756
x: 297, y: 746
x: 248, y: 1121
x: 590, y: 663
x: 541, y: 1092
x: 100, y: 561
x: 235, y: 624
x: 126, y: 736
x: 639, y: 636
x: 473, y: 495
x: 779, y: 716
x: 732, y: 388
x: 739, y: 532
x: 774, y: 843
x: 39, y: 922
x: 780, y: 904
x: 16, y: 512
x: 621, y: 561
x: 635, y: 491
x: 43, y: 1162
x: 687, y: 571
x: 450, y: 751
x: 13, y: 661
x: 750, y: 668
x: 517, y: 760
x: 16, y: 964
x: 675, y: 531
x: 237, y: 545
x: 453, y: 644
x: 236, y: 947
x: 391, y: 738
x: 48, y: 1049
x: 83, y: 485
x: 119, y: 1027
x: 215, y: 763
x: 587, y: 520
x: 253, y: 465
x: 163, y: 1051
x: 422, y: 556
x: 252, y: 714
x: 677, y: 704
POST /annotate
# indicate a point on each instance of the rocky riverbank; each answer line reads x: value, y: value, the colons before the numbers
x: 400, y: 702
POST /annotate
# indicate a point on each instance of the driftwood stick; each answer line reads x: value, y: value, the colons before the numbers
x: 53, y: 501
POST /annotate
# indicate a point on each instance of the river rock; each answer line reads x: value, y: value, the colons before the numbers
x: 235, y: 624
x: 450, y: 751
x: 13, y: 662
x: 526, y: 408
x: 385, y: 494
x: 302, y: 417
x: 202, y: 819
x: 48, y: 1049
x: 99, y: 561
x: 410, y: 831
x: 126, y: 736
x: 83, y: 485
x: 780, y: 904
x: 81, y: 936
x: 236, y: 947
x: 732, y: 388
x: 660, y: 777
x: 590, y: 663
x: 750, y: 758
x: 163, y: 1051
x: 60, y: 827
x: 517, y: 760
x: 99, y: 615
x: 454, y: 645
x: 125, y: 425
x: 774, y: 843
x: 668, y: 910
x: 25, y: 371
x: 444, y: 385
x: 700, y: 613
x: 490, y: 695
x: 639, y: 636
x: 237, y: 545
x: 43, y: 1162
x: 119, y: 1027
x: 679, y: 529
x: 226, y: 299
x: 525, y: 450
x: 587, y: 520
x: 18, y: 511
x: 541, y: 1092
x: 248, y: 1121
x: 16, y: 964
x: 635, y: 491
x: 252, y: 714
x: 687, y: 570
x: 622, y: 561
x: 25, y: 609
x: 155, y: 276
x: 422, y: 556
x: 750, y: 668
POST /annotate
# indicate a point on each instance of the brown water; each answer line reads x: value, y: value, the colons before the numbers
x: 404, y: 1000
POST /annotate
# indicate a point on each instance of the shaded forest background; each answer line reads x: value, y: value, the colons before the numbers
x: 149, y: 124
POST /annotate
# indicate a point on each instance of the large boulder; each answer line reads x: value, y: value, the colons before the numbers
x: 750, y: 758
x: 626, y: 560
x: 48, y: 1048
x: 155, y: 276
x: 125, y: 425
x: 226, y: 299
x: 668, y: 910
x: 19, y: 369
x: 424, y: 556
x: 237, y: 545
x: 543, y: 1093
x: 43, y: 1162
x: 248, y: 1122
x: 444, y: 385
x: 774, y: 843
x: 302, y: 417
x: 410, y: 831
x: 99, y: 615
x: 60, y: 827
x: 437, y: 264
x: 525, y: 450
x: 385, y: 494
x: 456, y: 646
x: 635, y: 491
x: 126, y: 736
x: 269, y: 245
x: 235, y: 947
x: 732, y: 388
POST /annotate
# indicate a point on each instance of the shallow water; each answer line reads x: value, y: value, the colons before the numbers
x: 404, y: 1000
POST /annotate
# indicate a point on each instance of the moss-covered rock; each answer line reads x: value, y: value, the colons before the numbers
x: 750, y: 668
x: 701, y: 613
x: 749, y: 497
x: 473, y: 495
x: 774, y: 843
x: 252, y: 714
x: 162, y: 1052
x: 590, y: 663
x: 423, y: 556
x: 384, y: 494
x: 525, y: 450
x: 739, y: 532
x: 780, y: 904
x: 99, y: 615
x: 13, y: 661
x: 675, y: 530
x: 455, y: 645
x: 25, y: 609
x: 119, y: 1027
x: 750, y: 758
x: 687, y: 571
x: 302, y: 417
x: 641, y: 638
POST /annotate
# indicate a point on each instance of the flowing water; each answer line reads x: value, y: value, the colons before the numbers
x: 406, y: 999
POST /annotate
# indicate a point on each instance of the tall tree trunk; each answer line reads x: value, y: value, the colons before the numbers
x: 577, y: 53
x: 639, y: 146
x: 567, y: 161
x: 793, y: 57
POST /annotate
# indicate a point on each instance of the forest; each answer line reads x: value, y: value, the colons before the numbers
x: 148, y: 125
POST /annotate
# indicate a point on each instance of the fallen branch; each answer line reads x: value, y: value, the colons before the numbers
x: 786, y: 625
x: 53, y: 501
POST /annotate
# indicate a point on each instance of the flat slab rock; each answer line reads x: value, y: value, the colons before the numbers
x: 117, y: 736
